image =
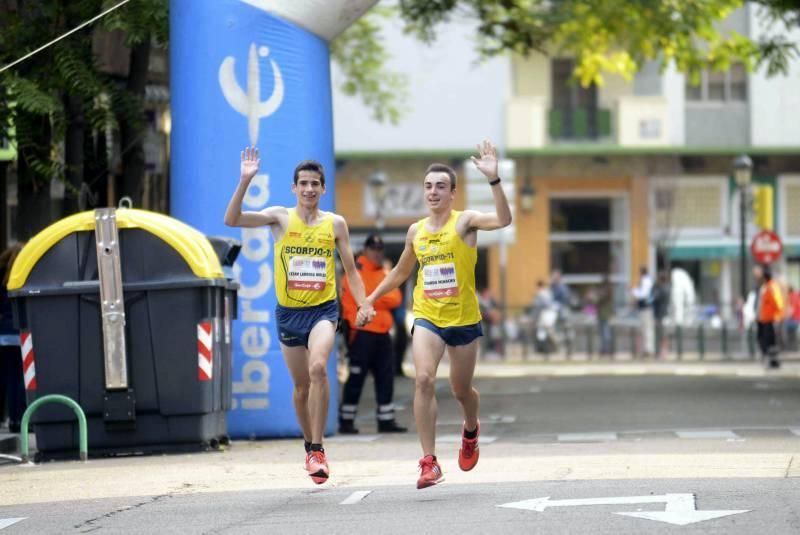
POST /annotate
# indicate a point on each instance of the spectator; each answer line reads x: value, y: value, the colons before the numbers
x: 605, y: 311
x: 792, y: 318
x: 770, y: 314
x: 560, y: 291
x: 370, y: 346
x: 660, y: 302
x: 12, y: 382
x: 400, y: 331
x: 490, y: 318
x: 644, y: 305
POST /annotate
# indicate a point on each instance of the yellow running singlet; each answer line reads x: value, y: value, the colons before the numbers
x: 445, y: 291
x: 304, y: 263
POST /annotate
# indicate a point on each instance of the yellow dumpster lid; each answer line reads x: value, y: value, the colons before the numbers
x: 191, y: 244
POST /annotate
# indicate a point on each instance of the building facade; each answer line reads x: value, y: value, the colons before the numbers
x: 606, y: 180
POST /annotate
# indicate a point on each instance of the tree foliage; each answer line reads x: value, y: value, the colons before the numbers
x: 612, y: 36
x: 361, y: 56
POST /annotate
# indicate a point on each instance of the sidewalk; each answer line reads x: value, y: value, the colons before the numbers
x: 577, y: 365
x: 359, y: 462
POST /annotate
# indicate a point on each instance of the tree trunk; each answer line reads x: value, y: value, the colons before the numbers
x: 132, y: 132
x: 33, y: 190
x: 3, y: 205
x: 73, y: 153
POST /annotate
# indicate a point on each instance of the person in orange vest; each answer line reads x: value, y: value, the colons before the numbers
x: 370, y: 346
x: 770, y: 314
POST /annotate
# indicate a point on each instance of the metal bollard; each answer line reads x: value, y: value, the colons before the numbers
x: 724, y: 341
x: 589, y: 341
x: 701, y: 340
x: 83, y: 446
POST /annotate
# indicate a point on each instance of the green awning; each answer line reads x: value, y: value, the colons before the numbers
x: 711, y: 252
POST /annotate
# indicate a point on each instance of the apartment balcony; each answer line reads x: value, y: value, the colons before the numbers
x: 628, y: 121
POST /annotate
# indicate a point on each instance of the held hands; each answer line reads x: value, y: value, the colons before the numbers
x: 366, y: 312
x: 487, y: 164
x: 250, y: 162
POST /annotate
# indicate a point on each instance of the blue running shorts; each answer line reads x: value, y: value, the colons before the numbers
x: 295, y: 324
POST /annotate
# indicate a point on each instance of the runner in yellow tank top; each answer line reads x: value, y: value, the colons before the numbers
x: 307, y: 311
x: 445, y: 304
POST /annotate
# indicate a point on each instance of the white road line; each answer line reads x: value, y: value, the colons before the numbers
x: 689, y: 370
x: 707, y: 434
x: 587, y: 437
x: 353, y: 438
x: 5, y: 522
x: 356, y: 497
x: 456, y: 439
x: 744, y: 372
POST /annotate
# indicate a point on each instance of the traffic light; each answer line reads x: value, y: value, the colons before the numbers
x: 763, y: 210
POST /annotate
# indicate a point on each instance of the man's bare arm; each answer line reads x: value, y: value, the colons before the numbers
x: 487, y: 164
x: 401, y: 271
x: 342, y: 234
x: 234, y: 216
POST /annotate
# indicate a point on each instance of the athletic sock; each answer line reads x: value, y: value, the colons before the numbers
x: 317, y: 447
x: 470, y: 434
x: 307, y: 445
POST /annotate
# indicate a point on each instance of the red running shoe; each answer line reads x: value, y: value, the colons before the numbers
x: 431, y: 472
x: 317, y: 467
x: 469, y: 452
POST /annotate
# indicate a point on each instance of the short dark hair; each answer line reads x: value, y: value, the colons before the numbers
x: 374, y: 241
x: 310, y: 165
x: 443, y: 168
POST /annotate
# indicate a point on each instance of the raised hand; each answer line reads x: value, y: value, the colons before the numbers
x: 487, y: 163
x: 250, y: 162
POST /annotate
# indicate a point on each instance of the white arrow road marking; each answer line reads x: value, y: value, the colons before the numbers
x: 680, y: 509
x: 355, y: 497
x: 5, y: 522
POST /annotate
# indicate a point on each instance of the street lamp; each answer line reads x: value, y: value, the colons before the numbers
x: 743, y: 173
x: 377, y: 182
x: 526, y: 196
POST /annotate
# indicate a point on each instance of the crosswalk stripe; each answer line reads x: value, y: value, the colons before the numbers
x: 713, y: 433
x: 587, y: 437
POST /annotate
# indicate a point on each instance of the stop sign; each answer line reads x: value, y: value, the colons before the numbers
x: 766, y: 247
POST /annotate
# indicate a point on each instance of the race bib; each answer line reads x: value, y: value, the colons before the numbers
x: 440, y: 280
x: 308, y: 273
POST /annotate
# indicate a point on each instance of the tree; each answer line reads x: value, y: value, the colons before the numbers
x: 61, y: 96
x: 613, y: 36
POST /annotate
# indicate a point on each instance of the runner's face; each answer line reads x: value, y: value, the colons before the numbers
x: 308, y: 188
x: 438, y: 194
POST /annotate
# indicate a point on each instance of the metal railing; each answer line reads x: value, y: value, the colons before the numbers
x: 578, y: 337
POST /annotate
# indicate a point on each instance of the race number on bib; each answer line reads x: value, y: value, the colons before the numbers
x: 440, y: 280
x: 308, y: 273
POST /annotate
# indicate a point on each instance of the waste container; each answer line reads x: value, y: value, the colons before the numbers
x: 128, y: 313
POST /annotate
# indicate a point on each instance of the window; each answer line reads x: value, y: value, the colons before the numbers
x: 738, y: 82
x: 719, y: 86
x: 575, y: 115
x: 716, y: 85
x: 792, y: 203
x: 589, y: 240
